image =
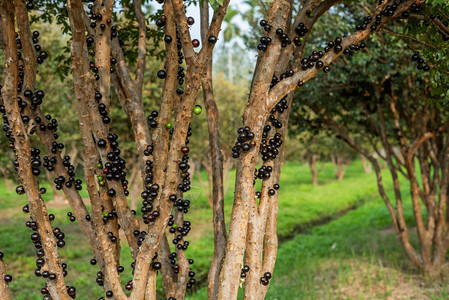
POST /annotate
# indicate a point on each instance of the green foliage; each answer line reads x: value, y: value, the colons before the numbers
x: 54, y: 13
x: 350, y: 92
x: 215, y: 4
x: 232, y: 30
x: 346, y: 93
x: 51, y: 12
x: 125, y: 18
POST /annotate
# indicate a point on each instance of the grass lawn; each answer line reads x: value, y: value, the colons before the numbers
x: 310, y: 266
x: 354, y: 257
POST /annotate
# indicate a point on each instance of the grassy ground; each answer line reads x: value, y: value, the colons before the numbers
x: 354, y: 257
x: 325, y: 263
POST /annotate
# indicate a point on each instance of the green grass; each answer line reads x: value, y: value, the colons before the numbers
x: 327, y: 254
x: 9, y: 198
x: 356, y: 256
x: 300, y: 205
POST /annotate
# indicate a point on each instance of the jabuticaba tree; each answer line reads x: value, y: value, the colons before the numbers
x: 99, y: 64
x: 392, y: 104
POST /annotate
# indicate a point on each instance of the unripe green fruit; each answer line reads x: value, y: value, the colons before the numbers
x: 197, y: 110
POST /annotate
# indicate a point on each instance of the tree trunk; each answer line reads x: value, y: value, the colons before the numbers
x: 312, y: 160
x: 339, y: 166
x: 9, y: 184
x: 253, y: 225
x: 57, y: 288
x: 216, y: 156
x: 367, y: 167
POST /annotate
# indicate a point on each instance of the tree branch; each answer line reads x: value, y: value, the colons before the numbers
x: 214, y: 29
x: 254, y: 117
x: 29, y: 55
x: 217, y: 164
x: 184, y: 32
x: 46, y: 136
x: 406, y: 37
x: 289, y: 84
x: 142, y: 51
x: 83, y: 89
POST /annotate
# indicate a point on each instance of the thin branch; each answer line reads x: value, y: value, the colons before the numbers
x: 184, y: 32
x: 416, y: 144
x: 406, y: 37
x: 437, y: 23
x: 216, y: 156
x: 141, y: 45
x: 214, y: 29
x: 29, y: 55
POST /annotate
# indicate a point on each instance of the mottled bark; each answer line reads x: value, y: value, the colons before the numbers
x: 47, y: 137
x: 254, y: 117
x: 135, y: 182
x: 253, y: 225
x: 84, y: 89
x: 289, y: 84
x: 262, y: 220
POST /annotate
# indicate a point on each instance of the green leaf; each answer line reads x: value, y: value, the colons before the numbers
x: 214, y: 4
x: 230, y: 13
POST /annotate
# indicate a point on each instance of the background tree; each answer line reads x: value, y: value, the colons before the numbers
x: 99, y: 64
x: 395, y: 110
x: 315, y: 154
